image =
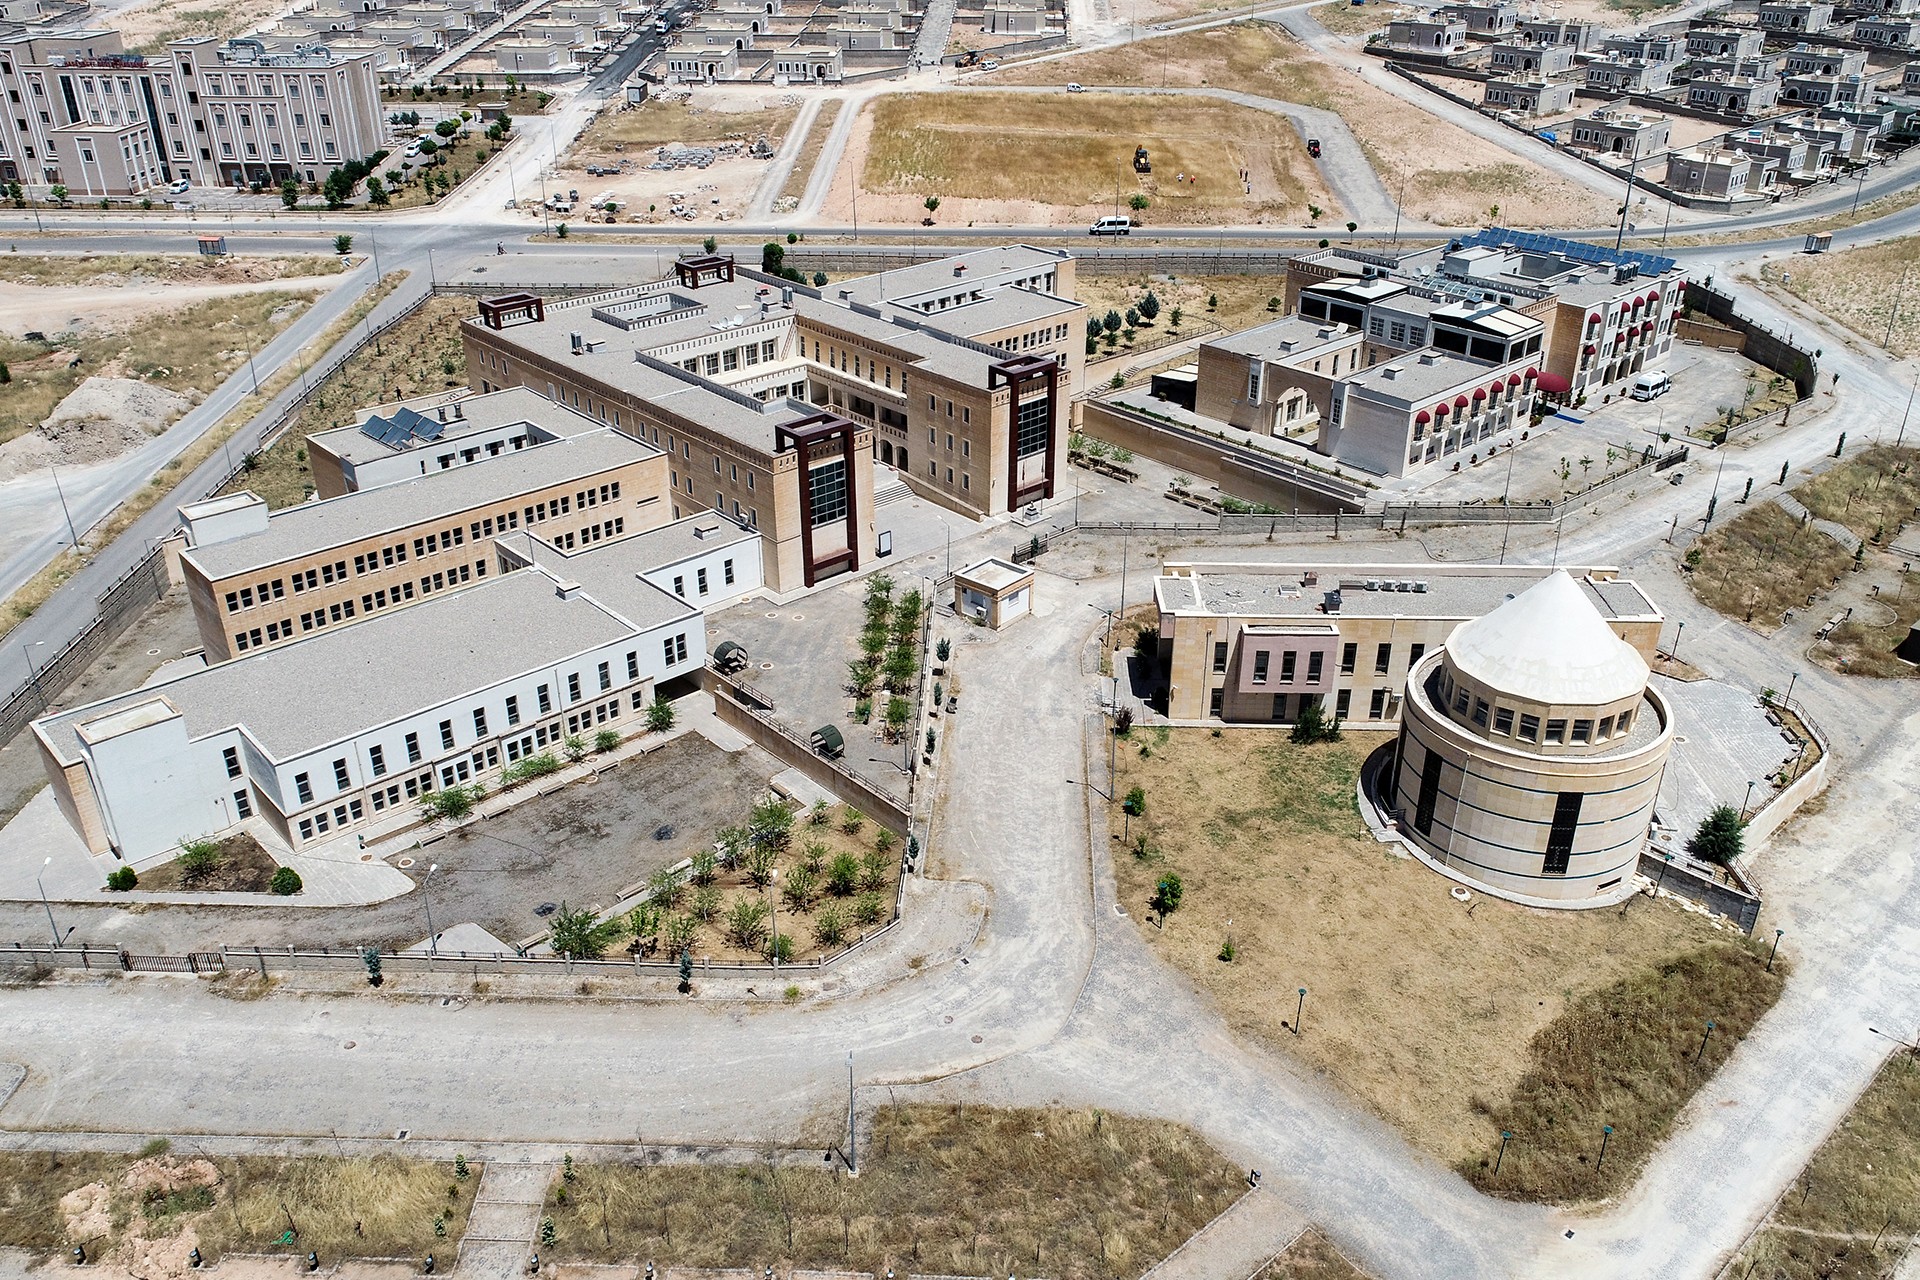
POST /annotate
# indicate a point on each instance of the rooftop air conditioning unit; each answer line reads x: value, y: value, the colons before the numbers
x: 1420, y: 584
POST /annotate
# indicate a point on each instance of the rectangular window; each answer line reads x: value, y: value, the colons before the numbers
x: 1556, y: 731
x: 1316, y: 662
x: 1377, y: 705
x: 479, y: 722
x: 413, y: 748
x: 573, y: 687
x: 1530, y: 727
x: 1349, y: 654
x: 232, y: 757
x: 1480, y: 712
x: 303, y: 788
x: 605, y: 672
x: 1260, y: 666
x: 1503, y: 720
x: 1566, y: 821
x: 545, y: 699
x: 700, y: 579
x: 1219, y: 656
x: 1605, y: 730
x: 1289, y: 662
x: 1583, y: 730
x: 341, y: 779
x: 827, y: 491
x: 1414, y: 654
x: 513, y: 710
x: 1382, y: 659
x: 377, y: 758
x: 446, y: 735
x: 1343, y: 703
x: 242, y: 804
x: 1429, y: 794
x: 1033, y: 427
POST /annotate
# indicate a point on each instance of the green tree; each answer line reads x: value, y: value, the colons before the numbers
x: 1150, y: 307
x: 343, y: 244
x: 770, y: 824
x: 666, y: 887
x: 1135, y: 803
x: 1720, y: 836
x: 874, y: 865
x: 1167, y: 894
x: 121, y: 879
x: 843, y: 875
x: 581, y: 934
x: 773, y: 258
x: 819, y: 279
x: 1137, y: 202
x: 868, y: 909
x: 1312, y: 724
x: 1111, y: 322
x: 198, y: 860
x: 377, y: 193
x: 15, y: 194
x: 447, y: 128
x: 680, y: 932
x: 800, y: 889
x: 576, y: 747
x: 286, y: 882
x: 371, y: 958
x: 1174, y: 317
x: 289, y: 193
x: 747, y: 922
x: 932, y: 205
x: 705, y: 863
x: 709, y: 244
x: 58, y: 192
x: 830, y: 926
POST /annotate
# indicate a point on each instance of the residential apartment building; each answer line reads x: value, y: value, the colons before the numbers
x: 1796, y: 159
x: 1581, y: 37
x: 1821, y: 91
x: 1819, y: 60
x: 259, y: 580
x: 1888, y: 33
x: 345, y: 727
x: 1795, y: 17
x: 1725, y: 42
x: 1523, y: 59
x: 82, y: 112
x: 1252, y: 643
x: 1528, y: 96
x: 774, y: 402
x: 1484, y: 17
x: 1615, y: 74
x: 1732, y: 95
x: 1720, y: 172
x: 1435, y: 37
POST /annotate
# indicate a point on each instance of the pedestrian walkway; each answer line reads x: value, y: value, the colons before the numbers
x: 503, y: 1228
x: 936, y: 25
x: 1236, y: 1244
x: 1795, y: 508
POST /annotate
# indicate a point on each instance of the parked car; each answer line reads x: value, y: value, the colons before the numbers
x: 179, y: 187
x: 1076, y: 87
x: 991, y: 64
x: 1111, y: 225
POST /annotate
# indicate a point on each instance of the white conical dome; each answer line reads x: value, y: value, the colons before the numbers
x: 1548, y: 644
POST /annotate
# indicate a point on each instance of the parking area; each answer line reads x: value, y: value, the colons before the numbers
x: 1608, y: 435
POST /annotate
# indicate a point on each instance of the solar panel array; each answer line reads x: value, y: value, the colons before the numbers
x: 1535, y: 242
x: 398, y: 431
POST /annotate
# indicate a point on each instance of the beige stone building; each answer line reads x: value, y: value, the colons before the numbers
x: 956, y: 374
x: 1252, y: 643
x: 260, y: 579
x: 1531, y: 749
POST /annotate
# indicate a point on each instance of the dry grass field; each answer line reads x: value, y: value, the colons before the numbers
x: 148, y: 27
x: 1863, y: 645
x: 1274, y: 858
x: 1310, y: 1257
x: 1859, y: 288
x: 1874, y: 493
x: 189, y: 350
x: 1760, y: 563
x: 145, y: 270
x: 1851, y: 1213
x: 1074, y: 152
x: 419, y: 357
x: 1344, y: 19
x: 1241, y: 301
x: 149, y: 1211
x: 944, y: 1190
x: 1451, y: 176
x: 641, y: 129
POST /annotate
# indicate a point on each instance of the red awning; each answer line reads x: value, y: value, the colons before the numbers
x: 1459, y: 402
x: 1493, y: 388
x: 1532, y: 372
x: 1594, y: 318
x: 1478, y: 394
x: 1554, y: 385
x: 1591, y: 349
x: 1513, y: 379
x: 1646, y: 326
x: 1440, y: 411
x: 1624, y: 308
x: 1423, y: 417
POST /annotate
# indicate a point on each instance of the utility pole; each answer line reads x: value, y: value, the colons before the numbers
x: 72, y: 537
x: 1626, y: 206
x: 853, y: 1139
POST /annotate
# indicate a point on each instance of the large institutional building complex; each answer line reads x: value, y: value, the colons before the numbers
x: 83, y: 113
x: 772, y: 401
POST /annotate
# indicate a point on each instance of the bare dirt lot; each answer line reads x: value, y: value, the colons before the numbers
x: 1451, y: 176
x: 1275, y: 859
x: 1067, y: 158
x: 730, y: 123
x: 148, y: 27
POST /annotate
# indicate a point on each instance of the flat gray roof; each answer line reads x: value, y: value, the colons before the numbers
x: 1244, y: 592
x: 611, y: 572
x: 1414, y: 379
x: 316, y: 526
x: 289, y: 698
x: 901, y: 283
x: 1287, y: 338
x: 509, y: 407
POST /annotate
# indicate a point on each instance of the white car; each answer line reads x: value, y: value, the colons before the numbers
x: 179, y: 187
x: 1074, y: 86
x: 991, y: 64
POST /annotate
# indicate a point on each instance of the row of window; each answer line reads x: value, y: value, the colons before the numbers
x: 592, y: 533
x: 718, y: 362
x: 700, y: 579
x: 1559, y: 731
x: 1033, y: 338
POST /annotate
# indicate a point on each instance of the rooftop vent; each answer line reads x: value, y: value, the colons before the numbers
x: 705, y: 531
x: 566, y: 590
x: 576, y: 342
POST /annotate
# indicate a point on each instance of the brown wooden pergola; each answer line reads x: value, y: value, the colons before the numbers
x: 511, y: 309
x: 704, y: 268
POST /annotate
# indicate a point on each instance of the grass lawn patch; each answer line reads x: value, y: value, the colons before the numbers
x: 943, y: 1190
x: 1274, y: 859
x: 1629, y: 1055
x: 416, y: 358
x: 1858, y: 287
x: 1761, y: 563
x: 1310, y: 1257
x: 118, y: 1205
x: 1874, y: 493
x: 1851, y: 1214
x: 1241, y: 300
x: 1450, y: 177
x: 1072, y: 149
x: 1863, y: 645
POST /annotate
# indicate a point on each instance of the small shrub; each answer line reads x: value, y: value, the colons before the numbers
x: 286, y: 882
x: 1167, y: 894
x: 868, y: 909
x: 1123, y: 721
x: 944, y: 649
x: 1229, y: 952
x: 813, y: 856
x: 780, y: 948
x: 576, y: 748
x: 1135, y: 803
x: 830, y: 927
x: 121, y: 879
x: 198, y: 860
x: 852, y: 821
x: 820, y: 814
x: 705, y: 863
x: 606, y: 740
x: 659, y: 715
x: 874, y: 866
x: 792, y: 994
x: 800, y: 889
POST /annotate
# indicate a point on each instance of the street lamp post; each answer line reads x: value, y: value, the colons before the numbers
x: 1701, y: 1051
x: 73, y: 537
x: 26, y: 651
x: 1299, y: 1009
x: 1506, y: 1136
x: 1776, y: 948
x: 773, y: 914
x: 433, y: 945
x: 1745, y: 804
x: 1606, y: 1131
x: 1674, y: 653
x: 52, y: 929
x: 1788, y: 700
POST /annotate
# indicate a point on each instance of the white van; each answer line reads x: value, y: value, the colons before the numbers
x: 1112, y: 225
x: 1650, y: 385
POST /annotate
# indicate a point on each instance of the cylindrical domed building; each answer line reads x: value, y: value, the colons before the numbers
x: 1531, y: 750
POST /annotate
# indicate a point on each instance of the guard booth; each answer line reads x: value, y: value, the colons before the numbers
x: 993, y: 592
